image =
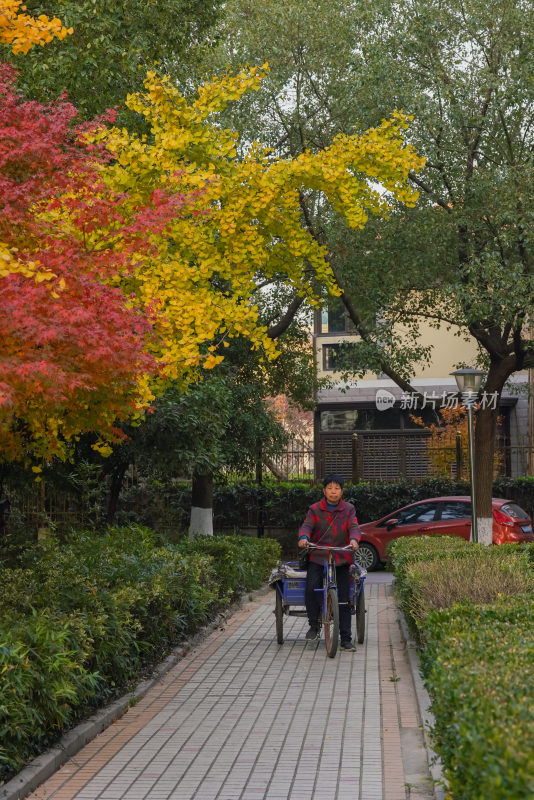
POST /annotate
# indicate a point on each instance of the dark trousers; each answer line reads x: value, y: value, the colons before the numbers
x: 314, y: 599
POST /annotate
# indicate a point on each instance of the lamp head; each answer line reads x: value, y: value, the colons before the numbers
x: 469, y: 380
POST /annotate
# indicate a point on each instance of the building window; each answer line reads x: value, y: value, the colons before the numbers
x: 330, y: 355
x: 361, y: 419
x: 339, y: 421
x: 334, y: 318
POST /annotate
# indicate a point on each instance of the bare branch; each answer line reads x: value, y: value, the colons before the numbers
x: 422, y: 185
x: 285, y: 321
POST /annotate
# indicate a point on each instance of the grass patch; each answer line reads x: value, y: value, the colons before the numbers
x: 474, y: 578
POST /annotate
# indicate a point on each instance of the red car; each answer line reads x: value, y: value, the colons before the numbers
x: 449, y: 516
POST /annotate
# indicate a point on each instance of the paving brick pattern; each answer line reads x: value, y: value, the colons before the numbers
x: 243, y: 718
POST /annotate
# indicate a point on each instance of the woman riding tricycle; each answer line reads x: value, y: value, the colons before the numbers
x: 332, y: 583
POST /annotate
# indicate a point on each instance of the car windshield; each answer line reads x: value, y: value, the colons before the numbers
x: 514, y: 511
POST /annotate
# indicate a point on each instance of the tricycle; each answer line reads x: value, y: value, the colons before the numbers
x: 289, y: 582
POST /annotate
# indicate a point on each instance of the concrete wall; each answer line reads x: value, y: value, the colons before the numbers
x: 448, y: 351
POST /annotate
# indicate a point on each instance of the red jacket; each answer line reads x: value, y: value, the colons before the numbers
x: 335, y: 528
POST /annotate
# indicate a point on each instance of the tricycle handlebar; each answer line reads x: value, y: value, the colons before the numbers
x: 314, y: 546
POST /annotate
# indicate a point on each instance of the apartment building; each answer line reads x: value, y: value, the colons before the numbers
x: 366, y: 429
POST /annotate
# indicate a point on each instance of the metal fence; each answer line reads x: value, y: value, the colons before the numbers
x: 374, y: 456
x: 297, y: 463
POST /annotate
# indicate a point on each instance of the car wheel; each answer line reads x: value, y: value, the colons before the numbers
x: 367, y: 556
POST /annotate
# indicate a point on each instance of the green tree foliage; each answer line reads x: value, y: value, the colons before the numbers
x: 463, y: 256
x: 463, y: 71
x: 112, y: 47
x: 221, y: 424
x: 224, y: 423
x: 309, y: 95
x: 314, y: 90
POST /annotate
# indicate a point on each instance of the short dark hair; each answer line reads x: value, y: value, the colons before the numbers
x: 332, y: 477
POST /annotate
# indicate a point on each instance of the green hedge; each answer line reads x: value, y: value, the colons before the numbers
x: 242, y: 562
x: 283, y: 505
x: 476, y: 659
x: 81, y: 620
x: 521, y: 490
x: 44, y: 680
x: 236, y: 506
x: 406, y: 550
x: 477, y: 666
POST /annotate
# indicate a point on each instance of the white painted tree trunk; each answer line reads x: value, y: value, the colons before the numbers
x: 485, y: 530
x: 201, y: 522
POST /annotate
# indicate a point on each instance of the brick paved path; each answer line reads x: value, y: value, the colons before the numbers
x: 242, y: 718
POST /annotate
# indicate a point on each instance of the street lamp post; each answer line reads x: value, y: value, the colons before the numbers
x: 469, y: 382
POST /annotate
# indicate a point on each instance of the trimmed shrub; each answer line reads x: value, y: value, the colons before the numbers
x: 79, y: 621
x: 242, y: 563
x: 476, y: 659
x: 435, y: 572
x: 475, y: 577
x: 44, y: 681
x: 477, y: 665
x: 135, y: 599
x: 405, y: 550
x: 236, y: 506
x: 285, y: 504
x: 520, y: 490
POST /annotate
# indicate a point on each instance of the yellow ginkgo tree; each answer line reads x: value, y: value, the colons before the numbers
x: 237, y: 217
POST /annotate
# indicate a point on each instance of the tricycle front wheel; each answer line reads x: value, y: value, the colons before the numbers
x: 360, y: 616
x: 331, y: 623
x: 279, y: 616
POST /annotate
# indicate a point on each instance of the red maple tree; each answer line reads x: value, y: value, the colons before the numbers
x: 72, y: 348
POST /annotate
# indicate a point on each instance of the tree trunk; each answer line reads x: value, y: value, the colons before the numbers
x: 278, y: 472
x: 201, y: 506
x: 117, y: 478
x: 530, y: 439
x: 486, y: 426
